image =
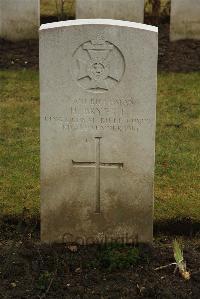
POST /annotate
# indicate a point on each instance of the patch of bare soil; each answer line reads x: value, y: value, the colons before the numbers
x: 29, y: 269
x: 180, y: 56
x: 19, y: 55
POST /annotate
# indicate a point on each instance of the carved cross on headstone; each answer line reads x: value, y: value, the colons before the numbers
x: 97, y: 165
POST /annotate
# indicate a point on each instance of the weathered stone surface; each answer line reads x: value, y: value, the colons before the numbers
x: 98, y: 104
x: 128, y: 10
x: 19, y: 19
x: 185, y: 19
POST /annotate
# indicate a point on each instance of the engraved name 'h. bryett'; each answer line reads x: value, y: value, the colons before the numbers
x: 97, y: 165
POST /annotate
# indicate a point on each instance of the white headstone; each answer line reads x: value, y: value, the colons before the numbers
x: 19, y: 19
x: 128, y: 10
x: 98, y: 105
x: 185, y: 19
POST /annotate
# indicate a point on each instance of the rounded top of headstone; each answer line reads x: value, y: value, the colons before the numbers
x: 98, y: 22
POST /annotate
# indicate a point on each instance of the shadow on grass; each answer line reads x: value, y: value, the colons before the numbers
x: 13, y: 226
x: 177, y: 227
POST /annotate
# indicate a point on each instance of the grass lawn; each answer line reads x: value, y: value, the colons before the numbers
x: 177, y: 145
x: 19, y: 145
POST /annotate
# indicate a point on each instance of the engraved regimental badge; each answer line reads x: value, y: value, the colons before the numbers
x: 98, y: 65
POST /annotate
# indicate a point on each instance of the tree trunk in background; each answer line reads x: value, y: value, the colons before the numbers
x: 156, y: 4
x: 60, y: 9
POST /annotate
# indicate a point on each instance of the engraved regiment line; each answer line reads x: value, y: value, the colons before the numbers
x: 97, y: 165
x: 117, y: 124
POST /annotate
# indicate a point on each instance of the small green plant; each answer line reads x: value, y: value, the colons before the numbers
x: 60, y: 9
x: 119, y: 257
x: 178, y: 252
x: 44, y: 280
x: 180, y: 263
